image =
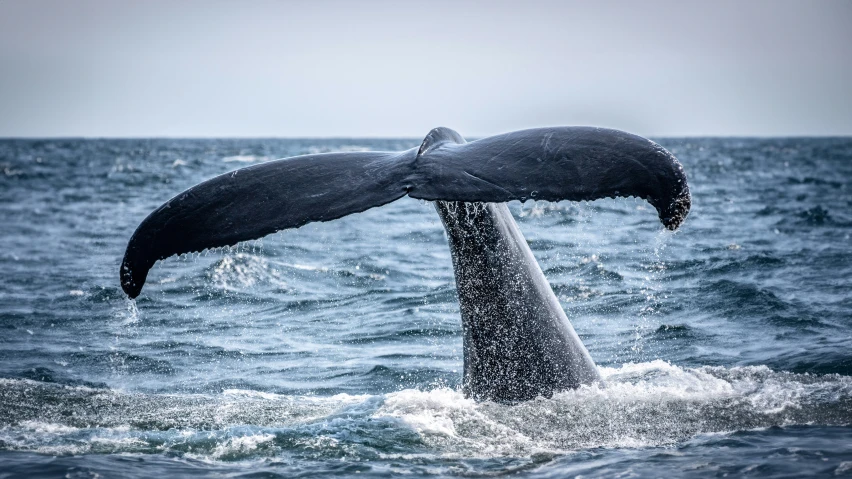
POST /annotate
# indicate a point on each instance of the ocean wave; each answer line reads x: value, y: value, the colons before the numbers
x: 637, y: 405
x: 313, y: 150
x: 238, y: 353
x: 245, y: 159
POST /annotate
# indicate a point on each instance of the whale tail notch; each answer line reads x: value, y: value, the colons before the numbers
x: 561, y: 163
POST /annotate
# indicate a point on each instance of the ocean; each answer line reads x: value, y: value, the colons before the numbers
x: 335, y: 349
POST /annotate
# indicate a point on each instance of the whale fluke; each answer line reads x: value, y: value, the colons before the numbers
x: 554, y: 164
x: 561, y: 163
x: 255, y: 201
x: 518, y: 342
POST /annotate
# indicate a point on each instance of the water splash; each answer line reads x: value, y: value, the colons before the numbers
x: 638, y: 405
x: 652, y: 291
x: 241, y: 271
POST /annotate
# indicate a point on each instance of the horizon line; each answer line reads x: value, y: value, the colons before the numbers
x: 358, y: 137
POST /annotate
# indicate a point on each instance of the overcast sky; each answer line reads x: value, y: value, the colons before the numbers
x: 384, y: 69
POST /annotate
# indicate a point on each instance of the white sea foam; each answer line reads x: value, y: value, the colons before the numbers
x: 337, y: 399
x: 240, y: 445
x: 244, y: 159
x: 428, y: 412
x: 120, y: 443
x: 254, y: 394
x: 47, y: 428
x: 307, y: 267
x: 636, y: 405
x: 344, y: 148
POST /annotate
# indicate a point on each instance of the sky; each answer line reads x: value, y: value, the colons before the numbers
x: 399, y: 68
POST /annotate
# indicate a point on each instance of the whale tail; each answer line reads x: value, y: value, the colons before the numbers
x: 564, y: 163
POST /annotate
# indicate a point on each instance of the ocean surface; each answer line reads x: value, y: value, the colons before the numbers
x: 335, y: 349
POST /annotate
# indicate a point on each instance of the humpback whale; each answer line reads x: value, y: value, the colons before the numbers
x: 518, y: 342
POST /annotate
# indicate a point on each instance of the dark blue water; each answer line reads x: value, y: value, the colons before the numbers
x: 335, y: 349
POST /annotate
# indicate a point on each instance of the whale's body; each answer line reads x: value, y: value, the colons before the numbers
x: 518, y: 342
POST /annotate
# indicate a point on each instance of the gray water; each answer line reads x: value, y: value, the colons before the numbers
x: 335, y: 349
